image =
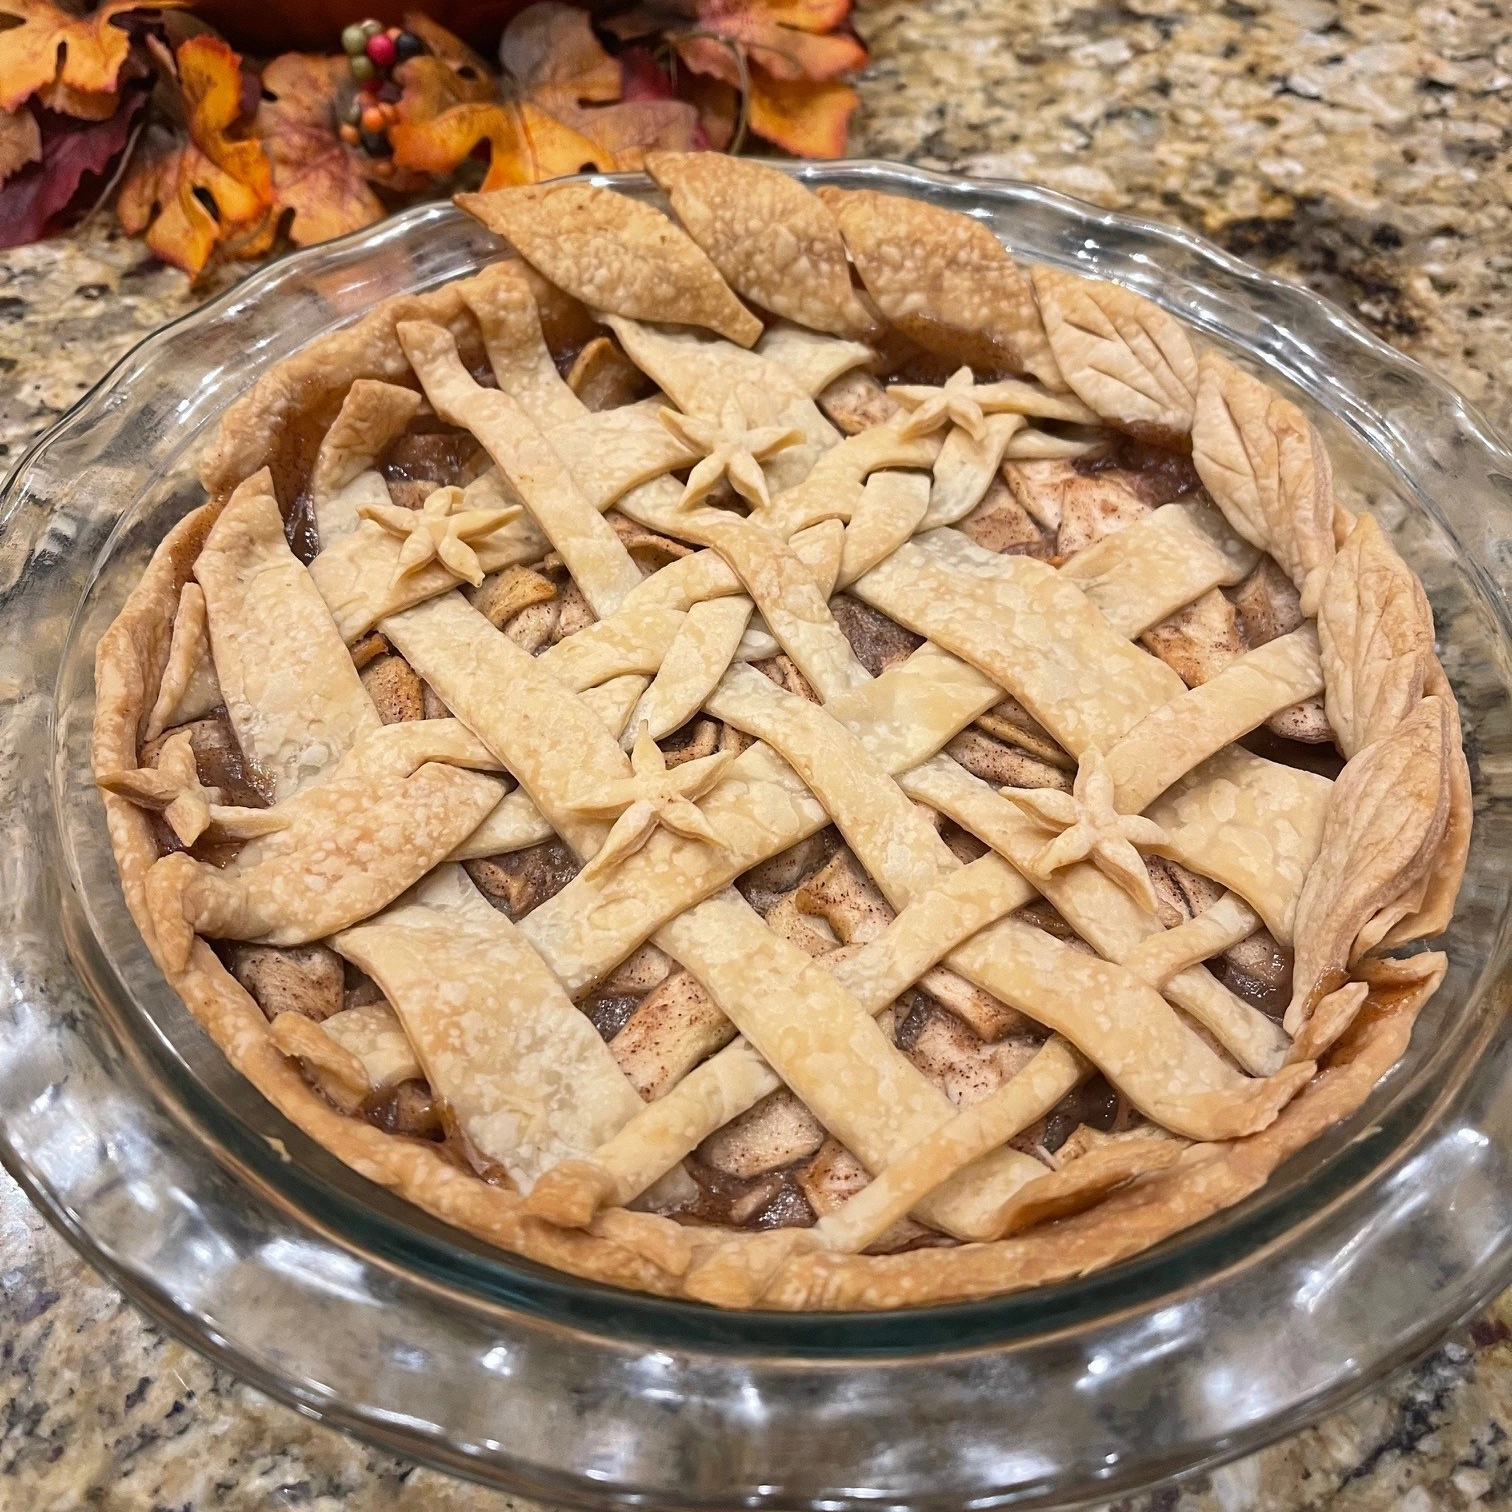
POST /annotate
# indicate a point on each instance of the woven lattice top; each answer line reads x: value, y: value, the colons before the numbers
x: 931, y: 763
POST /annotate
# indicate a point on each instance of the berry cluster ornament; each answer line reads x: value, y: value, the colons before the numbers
x: 375, y: 51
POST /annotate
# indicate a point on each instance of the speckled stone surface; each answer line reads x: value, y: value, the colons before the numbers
x: 1363, y: 148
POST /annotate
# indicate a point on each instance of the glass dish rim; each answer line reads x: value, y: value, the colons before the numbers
x: 265, y: 281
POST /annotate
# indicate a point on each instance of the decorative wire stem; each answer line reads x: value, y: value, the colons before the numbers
x: 742, y: 69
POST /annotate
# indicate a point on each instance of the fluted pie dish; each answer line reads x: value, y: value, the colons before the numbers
x: 774, y: 755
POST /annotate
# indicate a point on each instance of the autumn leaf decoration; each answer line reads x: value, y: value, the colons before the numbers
x: 214, y: 186
x: 783, y: 57
x: 71, y: 89
x: 559, y: 107
x: 218, y: 156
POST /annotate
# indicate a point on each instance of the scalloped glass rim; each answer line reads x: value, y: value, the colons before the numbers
x: 261, y: 1175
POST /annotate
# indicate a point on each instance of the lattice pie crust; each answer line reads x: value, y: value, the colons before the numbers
x: 813, y: 808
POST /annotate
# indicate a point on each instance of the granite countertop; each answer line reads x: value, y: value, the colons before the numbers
x: 1363, y: 148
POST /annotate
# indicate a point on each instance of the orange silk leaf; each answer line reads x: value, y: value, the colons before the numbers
x: 315, y: 174
x: 214, y: 188
x: 526, y: 145
x: 787, y: 38
x: 160, y: 195
x: 806, y: 119
x: 92, y: 50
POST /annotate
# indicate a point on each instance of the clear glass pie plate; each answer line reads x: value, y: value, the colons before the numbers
x: 124, y: 1123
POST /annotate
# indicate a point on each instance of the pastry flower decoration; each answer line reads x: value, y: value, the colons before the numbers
x: 441, y: 530
x: 652, y: 795
x: 731, y: 449
x: 958, y: 403
x: 173, y: 788
x: 1090, y: 826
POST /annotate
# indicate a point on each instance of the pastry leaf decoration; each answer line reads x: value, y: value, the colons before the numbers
x: 1375, y: 636
x: 1121, y: 354
x: 1386, y: 817
x: 1267, y: 469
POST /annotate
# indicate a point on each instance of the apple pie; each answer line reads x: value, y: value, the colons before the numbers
x: 771, y: 755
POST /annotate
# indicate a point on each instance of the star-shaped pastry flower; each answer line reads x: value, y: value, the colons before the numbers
x: 441, y: 530
x: 651, y: 796
x: 173, y: 788
x: 1091, y: 827
x: 731, y: 449
x: 955, y: 404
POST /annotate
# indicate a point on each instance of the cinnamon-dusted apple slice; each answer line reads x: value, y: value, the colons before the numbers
x: 1267, y: 469
x: 730, y: 207
x: 614, y: 254
x: 945, y: 280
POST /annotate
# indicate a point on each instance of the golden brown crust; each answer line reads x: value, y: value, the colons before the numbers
x: 266, y: 426
x: 614, y: 254
x: 944, y: 280
x: 730, y: 208
x: 1146, y: 1193
x: 1208, y: 1179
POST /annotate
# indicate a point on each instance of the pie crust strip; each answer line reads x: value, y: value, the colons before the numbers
x: 1101, y: 912
x: 371, y: 417
x: 1145, y: 572
x: 827, y: 1048
x: 1169, y: 741
x: 516, y: 706
x: 834, y: 488
x: 965, y: 468
x: 516, y: 822
x: 695, y: 661
x: 1127, y: 1030
x: 374, y: 1033
x: 891, y: 837
x: 523, y: 1072
x: 1255, y: 826
x: 291, y: 691
x: 188, y: 689
x: 1032, y: 633
x: 736, y: 1273
x: 891, y: 507
x: 736, y: 1078
x: 593, y: 553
